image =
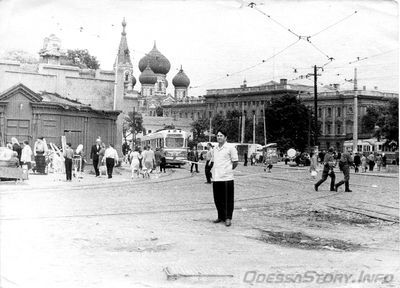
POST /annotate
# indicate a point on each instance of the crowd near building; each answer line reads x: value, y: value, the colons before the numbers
x: 50, y: 99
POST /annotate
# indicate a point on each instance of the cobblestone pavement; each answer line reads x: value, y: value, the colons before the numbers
x: 120, y: 232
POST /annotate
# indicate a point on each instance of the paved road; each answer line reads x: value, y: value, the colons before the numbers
x: 123, y: 232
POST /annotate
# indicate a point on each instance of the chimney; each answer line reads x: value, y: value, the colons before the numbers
x: 283, y: 81
x: 244, y: 84
x: 336, y: 86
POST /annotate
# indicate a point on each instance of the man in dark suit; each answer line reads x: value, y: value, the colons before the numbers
x: 94, y: 155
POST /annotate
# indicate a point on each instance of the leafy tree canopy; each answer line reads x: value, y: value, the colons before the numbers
x: 82, y: 59
x: 383, y: 121
x: 133, y: 123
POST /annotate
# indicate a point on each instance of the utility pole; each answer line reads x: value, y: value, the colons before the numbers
x: 243, y: 123
x: 240, y: 121
x: 209, y: 131
x: 315, y: 106
x: 355, y: 113
x: 254, y: 128
x: 265, y: 127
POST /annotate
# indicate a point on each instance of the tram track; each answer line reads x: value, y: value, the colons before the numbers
x: 257, y: 182
x: 170, y: 211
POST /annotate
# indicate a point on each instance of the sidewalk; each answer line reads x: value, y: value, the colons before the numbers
x: 121, y: 175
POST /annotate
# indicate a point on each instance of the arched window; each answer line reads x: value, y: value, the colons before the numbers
x: 126, y: 76
x: 329, y: 112
x: 159, y: 86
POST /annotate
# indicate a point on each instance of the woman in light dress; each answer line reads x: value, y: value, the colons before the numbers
x: 135, y: 157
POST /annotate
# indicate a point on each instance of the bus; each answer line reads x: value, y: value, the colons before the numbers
x: 172, y: 141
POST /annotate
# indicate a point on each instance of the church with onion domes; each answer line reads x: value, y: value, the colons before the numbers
x: 153, y: 67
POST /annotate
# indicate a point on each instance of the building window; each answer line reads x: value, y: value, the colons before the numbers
x: 159, y: 86
x: 329, y: 112
x: 180, y: 114
x: 339, y: 111
x: 328, y: 144
x: 339, y: 129
x: 210, y: 114
x: 186, y: 115
x: 191, y: 115
x: 126, y: 76
x: 328, y: 128
x: 183, y: 93
x: 350, y: 110
x: 198, y: 115
x: 151, y: 91
x: 319, y: 112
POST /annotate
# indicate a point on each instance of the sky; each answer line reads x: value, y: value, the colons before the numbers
x: 221, y: 43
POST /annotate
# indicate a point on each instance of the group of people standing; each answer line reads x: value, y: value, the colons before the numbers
x: 144, y: 162
x: 101, y: 155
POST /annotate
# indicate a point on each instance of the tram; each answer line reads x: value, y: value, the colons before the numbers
x: 172, y: 141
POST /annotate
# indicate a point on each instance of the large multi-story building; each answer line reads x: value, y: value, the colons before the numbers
x: 335, y: 106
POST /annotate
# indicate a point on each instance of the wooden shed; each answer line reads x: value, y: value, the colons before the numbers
x: 27, y: 115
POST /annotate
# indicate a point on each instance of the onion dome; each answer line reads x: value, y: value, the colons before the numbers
x: 158, y: 62
x: 148, y: 76
x: 181, y: 79
x: 133, y: 81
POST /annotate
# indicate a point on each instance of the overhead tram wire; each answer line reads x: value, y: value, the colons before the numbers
x: 248, y: 68
x: 275, y: 21
x: 334, y: 24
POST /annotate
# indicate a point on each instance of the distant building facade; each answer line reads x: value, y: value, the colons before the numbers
x: 335, y: 107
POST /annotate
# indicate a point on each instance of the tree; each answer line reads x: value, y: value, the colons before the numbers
x: 370, y: 119
x: 288, y: 123
x: 133, y: 123
x: 82, y: 59
x: 383, y: 121
x: 198, y: 128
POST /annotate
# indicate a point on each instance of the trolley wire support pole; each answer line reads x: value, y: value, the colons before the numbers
x: 315, y: 106
x: 209, y: 131
x: 254, y: 127
x: 355, y: 113
x: 243, y: 124
x: 265, y: 127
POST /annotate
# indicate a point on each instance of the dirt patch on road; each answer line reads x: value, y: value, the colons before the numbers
x: 304, y: 241
x: 312, y: 215
x: 337, y: 217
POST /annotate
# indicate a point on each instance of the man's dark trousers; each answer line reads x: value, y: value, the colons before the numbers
x: 110, y: 166
x: 224, y: 199
x: 325, y: 173
x: 208, y: 172
x: 68, y: 168
x: 196, y: 166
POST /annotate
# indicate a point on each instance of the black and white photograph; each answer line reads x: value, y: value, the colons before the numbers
x: 189, y: 143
